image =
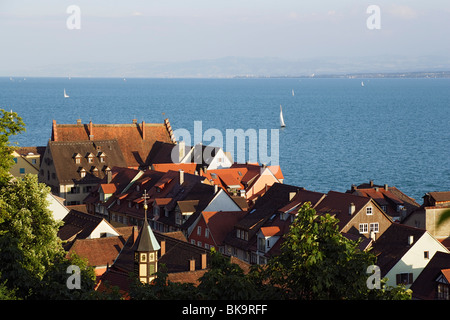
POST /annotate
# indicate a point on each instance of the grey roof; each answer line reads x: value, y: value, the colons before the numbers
x: 67, y: 170
x: 146, y: 240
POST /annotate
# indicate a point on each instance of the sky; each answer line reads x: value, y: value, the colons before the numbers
x: 34, y: 34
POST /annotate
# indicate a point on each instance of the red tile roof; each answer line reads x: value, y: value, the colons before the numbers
x: 135, y: 140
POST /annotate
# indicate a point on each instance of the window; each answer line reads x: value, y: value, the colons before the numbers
x: 77, y: 160
x: 199, y: 243
x: 384, y: 208
x: 22, y: 170
x: 443, y: 292
x: 369, y: 211
x: 374, y: 227
x: 90, y: 160
x: 206, y: 233
x: 404, y: 278
x: 192, y: 241
x: 363, y: 228
x: 426, y: 255
x: 33, y: 161
x: 199, y: 231
x: 15, y: 160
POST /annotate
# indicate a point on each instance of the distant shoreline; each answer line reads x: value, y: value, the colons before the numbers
x: 368, y: 75
x: 372, y: 75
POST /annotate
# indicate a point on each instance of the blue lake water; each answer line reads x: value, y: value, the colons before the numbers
x: 338, y: 133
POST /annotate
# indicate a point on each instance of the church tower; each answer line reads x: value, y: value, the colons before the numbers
x: 146, y: 252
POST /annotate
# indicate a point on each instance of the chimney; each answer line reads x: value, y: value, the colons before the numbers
x: 410, y: 240
x: 204, y: 261
x: 78, y: 121
x: 134, y: 121
x: 108, y: 176
x: 351, y: 208
x: 181, y: 177
x: 354, y: 187
x: 372, y: 235
x: 371, y: 183
x: 192, y: 264
x: 134, y: 234
x: 163, y: 247
x: 386, y: 187
x: 54, y: 133
x: 143, y: 130
x: 91, y: 131
x: 292, y: 195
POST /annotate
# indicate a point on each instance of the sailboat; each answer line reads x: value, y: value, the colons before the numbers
x: 292, y: 92
x: 282, y: 124
x: 362, y: 83
x: 65, y: 94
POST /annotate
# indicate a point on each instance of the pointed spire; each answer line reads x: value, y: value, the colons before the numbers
x: 147, y: 240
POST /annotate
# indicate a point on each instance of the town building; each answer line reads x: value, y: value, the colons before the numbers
x: 403, y: 252
x: 390, y: 199
x: 433, y: 283
x: 134, y: 139
x: 26, y: 160
x: 435, y: 204
x: 71, y: 169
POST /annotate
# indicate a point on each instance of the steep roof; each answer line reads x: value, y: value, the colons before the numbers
x: 67, y: 170
x: 424, y: 287
x: 393, y: 244
x: 275, y: 198
x: 337, y: 204
x: 99, y: 251
x: 221, y: 222
x: 78, y: 224
x: 135, y: 139
x: 146, y: 239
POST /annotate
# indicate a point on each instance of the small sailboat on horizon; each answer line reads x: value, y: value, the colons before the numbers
x: 292, y: 92
x: 362, y: 83
x: 65, y: 94
x: 282, y: 124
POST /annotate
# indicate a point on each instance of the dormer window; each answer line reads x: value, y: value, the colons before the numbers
x: 94, y: 171
x: 77, y: 158
x: 90, y: 157
x: 138, y: 188
x: 369, y: 211
x: 82, y: 172
x: 102, y: 157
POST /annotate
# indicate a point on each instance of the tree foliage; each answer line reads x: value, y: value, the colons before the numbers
x: 10, y: 124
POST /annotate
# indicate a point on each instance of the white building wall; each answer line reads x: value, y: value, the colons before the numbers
x: 413, y: 261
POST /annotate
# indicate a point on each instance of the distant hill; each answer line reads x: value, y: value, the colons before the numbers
x: 226, y: 67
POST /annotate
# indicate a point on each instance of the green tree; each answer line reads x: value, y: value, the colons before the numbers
x: 10, y: 124
x: 28, y: 234
x: 318, y: 262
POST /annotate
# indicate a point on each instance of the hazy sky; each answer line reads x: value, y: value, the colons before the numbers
x: 34, y: 33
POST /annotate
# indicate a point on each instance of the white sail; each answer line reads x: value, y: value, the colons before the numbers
x: 281, y: 118
x: 65, y: 94
x: 292, y: 92
x: 362, y: 83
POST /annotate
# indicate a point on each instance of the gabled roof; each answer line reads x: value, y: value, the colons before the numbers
x: 135, y: 139
x: 393, y: 244
x: 67, y: 170
x: 424, y: 287
x: 78, y: 224
x: 99, y: 251
x: 221, y: 222
x: 276, y: 197
x: 337, y: 204
x: 440, y: 196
